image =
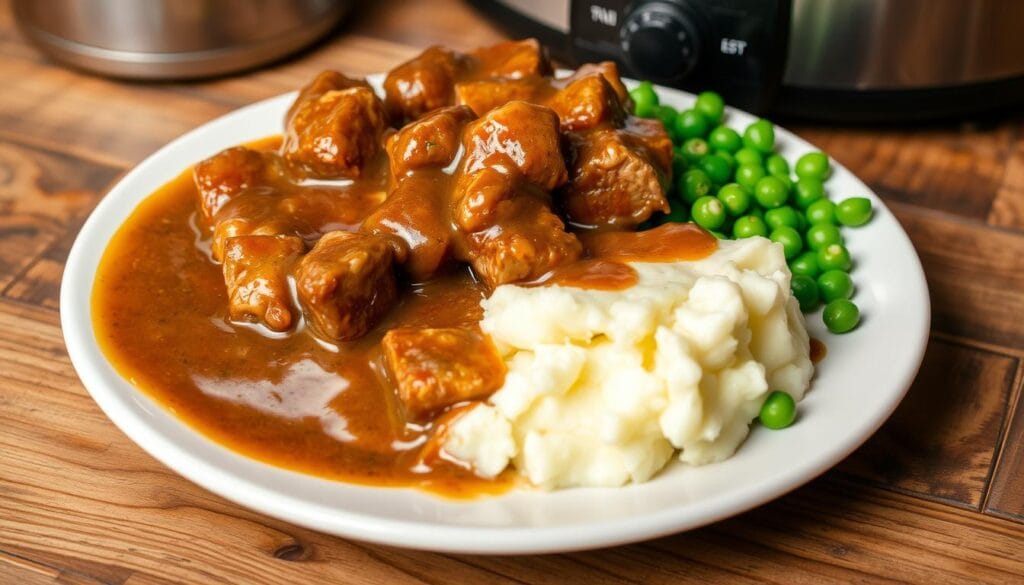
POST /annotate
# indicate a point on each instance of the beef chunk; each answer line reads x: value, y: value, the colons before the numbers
x: 256, y: 274
x: 324, y: 82
x: 436, y: 368
x: 649, y: 135
x: 486, y: 94
x: 228, y: 173
x: 230, y: 228
x: 345, y: 284
x: 414, y: 219
x: 517, y: 136
x: 526, y: 241
x: 610, y: 71
x: 422, y: 84
x: 512, y: 59
x: 431, y: 141
x: 335, y: 135
x: 478, y: 196
x: 614, y: 180
x: 586, y: 103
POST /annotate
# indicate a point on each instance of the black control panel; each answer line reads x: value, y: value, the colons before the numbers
x: 735, y: 47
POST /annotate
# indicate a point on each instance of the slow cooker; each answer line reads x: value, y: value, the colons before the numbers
x: 847, y: 60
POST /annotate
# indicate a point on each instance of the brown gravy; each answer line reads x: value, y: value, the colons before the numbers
x: 818, y: 350
x: 160, y: 314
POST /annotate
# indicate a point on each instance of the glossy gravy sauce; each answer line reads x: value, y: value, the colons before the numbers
x: 160, y: 314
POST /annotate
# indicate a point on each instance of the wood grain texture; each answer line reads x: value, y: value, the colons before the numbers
x: 941, y: 442
x: 1006, y: 495
x: 936, y: 496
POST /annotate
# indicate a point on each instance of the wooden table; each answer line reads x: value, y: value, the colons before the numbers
x: 936, y: 496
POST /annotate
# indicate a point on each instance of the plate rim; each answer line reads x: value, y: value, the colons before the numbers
x: 80, y: 335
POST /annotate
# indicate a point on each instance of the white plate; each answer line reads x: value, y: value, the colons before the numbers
x: 856, y: 388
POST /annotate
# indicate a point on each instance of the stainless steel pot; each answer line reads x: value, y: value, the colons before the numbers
x: 173, y: 39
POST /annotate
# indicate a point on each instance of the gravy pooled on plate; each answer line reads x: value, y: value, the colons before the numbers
x: 313, y: 300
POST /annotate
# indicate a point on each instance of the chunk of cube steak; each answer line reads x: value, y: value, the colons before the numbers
x: 612, y: 183
x: 345, y: 284
x: 422, y: 84
x: 521, y: 136
x: 436, y: 368
x: 431, y: 141
x: 335, y: 135
x: 256, y: 274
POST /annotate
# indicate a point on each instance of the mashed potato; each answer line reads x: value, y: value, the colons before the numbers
x: 603, y: 387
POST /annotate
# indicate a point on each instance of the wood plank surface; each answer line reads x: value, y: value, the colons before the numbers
x: 937, y: 496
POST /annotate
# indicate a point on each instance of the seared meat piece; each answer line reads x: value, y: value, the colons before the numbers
x: 256, y: 274
x: 610, y: 71
x: 587, y: 103
x: 414, y: 219
x: 422, y: 84
x: 618, y: 178
x: 517, y: 136
x: 486, y: 94
x: 478, y: 195
x: 231, y: 228
x: 324, y: 82
x: 226, y: 174
x: 512, y: 59
x: 345, y: 284
x: 649, y: 135
x: 431, y: 141
x: 436, y: 368
x: 525, y: 242
x: 336, y: 134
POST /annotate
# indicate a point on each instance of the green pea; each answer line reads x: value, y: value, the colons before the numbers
x: 756, y: 210
x: 770, y: 192
x: 727, y: 157
x: 693, y: 184
x: 782, y: 216
x: 760, y: 136
x: 645, y: 99
x: 778, y: 411
x: 716, y: 167
x: 841, y: 316
x: 813, y: 165
x: 777, y: 165
x: 855, y: 211
x: 735, y: 199
x: 835, y: 284
x: 725, y: 138
x: 711, y: 105
x: 821, y: 211
x: 667, y: 115
x: 822, y: 235
x: 790, y: 239
x: 806, y: 292
x: 718, y: 235
x: 807, y: 191
x: 749, y: 156
x: 786, y: 181
x: 834, y: 257
x: 805, y: 264
x: 708, y: 212
x: 801, y: 222
x: 749, y: 226
x: 691, y: 124
x: 694, y: 149
x: 748, y: 175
